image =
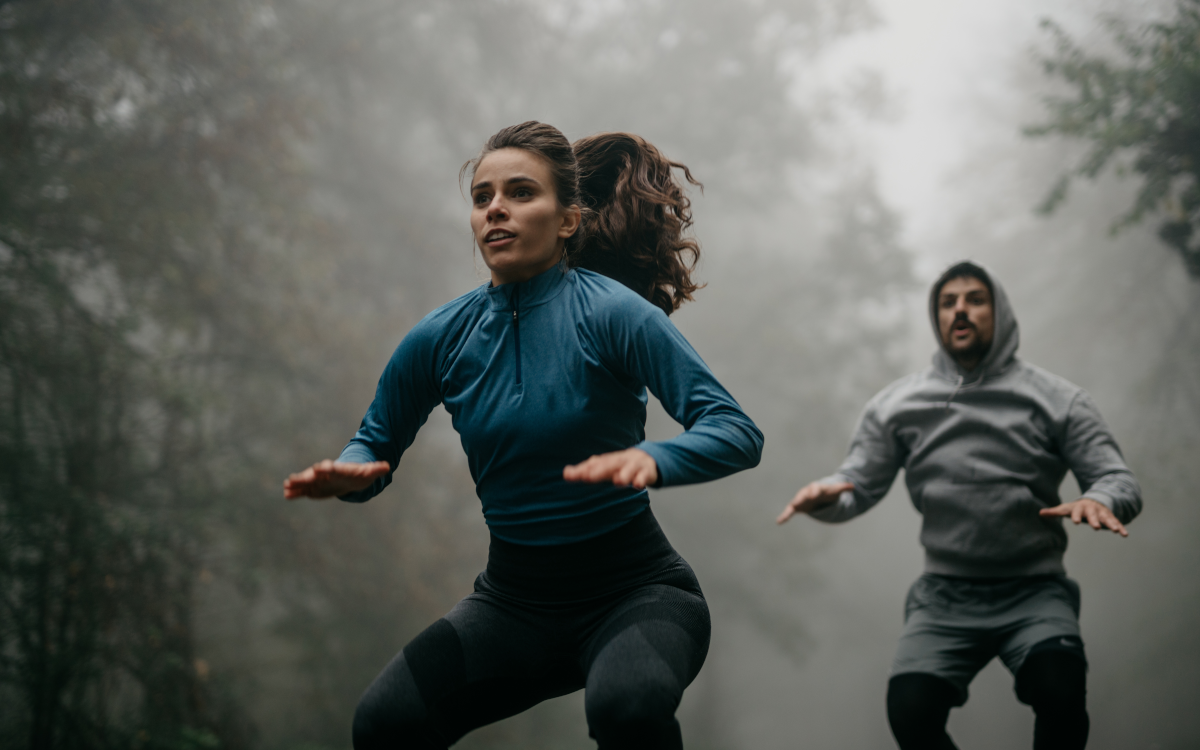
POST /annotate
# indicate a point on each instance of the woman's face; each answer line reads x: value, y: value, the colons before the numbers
x: 519, y: 226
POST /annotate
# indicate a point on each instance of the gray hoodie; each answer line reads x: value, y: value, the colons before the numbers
x: 983, y: 451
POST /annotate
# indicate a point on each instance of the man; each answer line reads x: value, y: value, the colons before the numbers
x: 985, y: 440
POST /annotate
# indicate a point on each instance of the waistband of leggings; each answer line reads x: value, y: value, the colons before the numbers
x: 622, y: 558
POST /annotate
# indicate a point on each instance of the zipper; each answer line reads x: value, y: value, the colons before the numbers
x: 516, y: 299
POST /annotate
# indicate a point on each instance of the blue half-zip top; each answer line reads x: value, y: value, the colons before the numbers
x: 516, y: 303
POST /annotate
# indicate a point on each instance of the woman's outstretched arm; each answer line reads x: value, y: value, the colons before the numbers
x: 326, y: 479
x: 407, y: 392
x: 718, y: 438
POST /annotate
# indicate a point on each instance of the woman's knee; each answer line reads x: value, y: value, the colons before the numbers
x: 635, y: 715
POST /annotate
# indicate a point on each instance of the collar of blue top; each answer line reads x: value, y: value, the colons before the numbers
x: 536, y: 291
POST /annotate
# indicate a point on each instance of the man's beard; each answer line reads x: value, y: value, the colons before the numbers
x: 973, y: 353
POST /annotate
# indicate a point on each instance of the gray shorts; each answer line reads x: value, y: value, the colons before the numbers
x: 954, y: 626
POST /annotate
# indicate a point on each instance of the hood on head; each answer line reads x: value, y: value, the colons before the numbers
x: 1005, y: 338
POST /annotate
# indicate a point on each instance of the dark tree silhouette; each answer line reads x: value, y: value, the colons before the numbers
x: 137, y: 136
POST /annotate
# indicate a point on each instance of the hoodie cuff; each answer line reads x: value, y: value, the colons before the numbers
x: 1101, y: 498
x: 835, y: 511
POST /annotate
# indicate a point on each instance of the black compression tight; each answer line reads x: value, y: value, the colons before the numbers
x: 482, y: 663
x: 1052, y: 682
x: 1055, y: 684
x: 620, y: 615
x: 918, y: 706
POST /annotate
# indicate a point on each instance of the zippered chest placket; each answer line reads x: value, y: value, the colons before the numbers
x: 516, y: 300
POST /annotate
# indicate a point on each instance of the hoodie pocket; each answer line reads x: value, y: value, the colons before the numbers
x: 993, y: 523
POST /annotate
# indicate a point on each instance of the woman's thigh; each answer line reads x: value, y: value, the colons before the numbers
x: 480, y: 663
x: 647, y: 649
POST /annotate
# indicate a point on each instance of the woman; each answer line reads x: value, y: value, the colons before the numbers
x: 544, y: 372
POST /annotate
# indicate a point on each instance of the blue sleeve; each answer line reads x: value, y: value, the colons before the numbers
x: 407, y: 392
x: 719, y: 439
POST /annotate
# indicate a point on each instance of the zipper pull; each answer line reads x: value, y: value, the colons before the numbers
x: 514, y: 316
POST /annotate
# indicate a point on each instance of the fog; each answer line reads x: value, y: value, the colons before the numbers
x: 848, y: 150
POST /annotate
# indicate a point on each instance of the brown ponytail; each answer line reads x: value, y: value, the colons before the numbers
x: 635, y: 214
x: 634, y: 210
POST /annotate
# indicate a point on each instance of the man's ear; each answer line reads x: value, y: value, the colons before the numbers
x: 570, y: 221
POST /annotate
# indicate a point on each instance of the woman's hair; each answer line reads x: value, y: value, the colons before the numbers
x: 634, y: 210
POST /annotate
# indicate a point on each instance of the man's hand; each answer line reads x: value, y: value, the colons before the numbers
x: 327, y: 478
x: 628, y: 468
x: 1097, y: 514
x: 813, y: 496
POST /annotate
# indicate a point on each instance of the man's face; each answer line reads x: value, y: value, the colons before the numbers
x: 965, y: 319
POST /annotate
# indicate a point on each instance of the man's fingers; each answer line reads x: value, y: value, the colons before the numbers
x: 1111, y: 522
x: 787, y: 513
x: 1097, y: 515
x: 840, y: 487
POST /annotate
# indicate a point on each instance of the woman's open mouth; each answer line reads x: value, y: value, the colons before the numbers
x: 498, y: 238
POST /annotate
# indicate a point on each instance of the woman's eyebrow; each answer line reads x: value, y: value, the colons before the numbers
x: 510, y: 181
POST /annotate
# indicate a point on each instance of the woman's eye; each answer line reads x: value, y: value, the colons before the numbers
x: 480, y: 199
x: 522, y: 193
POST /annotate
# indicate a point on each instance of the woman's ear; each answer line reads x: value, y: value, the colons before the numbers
x: 570, y: 221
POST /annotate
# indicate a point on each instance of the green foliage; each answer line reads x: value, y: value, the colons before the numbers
x: 1146, y: 104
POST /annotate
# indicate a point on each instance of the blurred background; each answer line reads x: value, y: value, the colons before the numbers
x: 218, y: 219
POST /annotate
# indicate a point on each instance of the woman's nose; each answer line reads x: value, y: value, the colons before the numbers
x: 496, y: 210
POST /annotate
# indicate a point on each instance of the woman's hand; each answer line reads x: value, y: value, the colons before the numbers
x: 813, y: 496
x: 327, y: 478
x: 628, y: 468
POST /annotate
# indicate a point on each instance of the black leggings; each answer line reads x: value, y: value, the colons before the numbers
x: 1052, y: 681
x: 621, y: 616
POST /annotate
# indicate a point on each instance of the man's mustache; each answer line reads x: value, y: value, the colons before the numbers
x: 962, y: 318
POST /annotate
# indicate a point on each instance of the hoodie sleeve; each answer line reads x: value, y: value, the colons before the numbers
x: 871, y: 466
x: 407, y: 392
x: 1092, y: 454
x: 718, y: 438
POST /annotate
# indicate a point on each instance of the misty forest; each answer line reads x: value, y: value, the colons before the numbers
x: 217, y: 220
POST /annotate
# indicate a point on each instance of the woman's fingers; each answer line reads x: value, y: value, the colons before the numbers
x: 327, y: 478
x: 631, y: 467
